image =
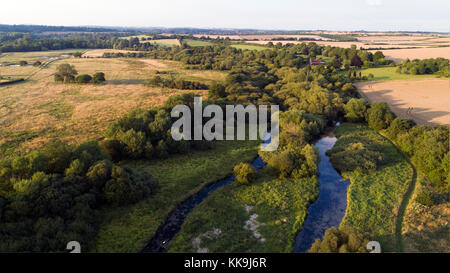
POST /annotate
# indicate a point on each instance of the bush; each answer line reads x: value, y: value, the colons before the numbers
x: 342, y: 240
x: 84, y: 78
x: 244, y: 173
x: 425, y: 198
x: 98, y: 77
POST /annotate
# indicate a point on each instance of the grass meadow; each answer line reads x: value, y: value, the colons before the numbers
x: 271, y: 209
x: 38, y: 110
x: 388, y: 73
x: 373, y: 198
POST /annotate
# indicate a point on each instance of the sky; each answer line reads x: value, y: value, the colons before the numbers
x: 338, y: 15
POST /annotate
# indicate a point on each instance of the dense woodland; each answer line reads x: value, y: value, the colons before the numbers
x: 66, y: 184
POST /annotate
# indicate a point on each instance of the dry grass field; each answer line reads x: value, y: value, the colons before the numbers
x: 430, y: 98
x: 38, y: 110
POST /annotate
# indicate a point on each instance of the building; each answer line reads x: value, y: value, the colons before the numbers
x: 316, y: 62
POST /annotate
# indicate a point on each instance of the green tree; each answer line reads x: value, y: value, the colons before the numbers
x: 379, y: 116
x: 342, y: 240
x: 355, y: 110
x: 66, y: 72
x: 98, y: 77
x: 244, y: 173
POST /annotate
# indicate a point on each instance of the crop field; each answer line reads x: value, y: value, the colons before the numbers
x: 395, y: 47
x: 429, y: 98
x: 38, y: 110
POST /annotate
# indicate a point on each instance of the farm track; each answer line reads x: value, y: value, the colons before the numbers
x: 404, y: 205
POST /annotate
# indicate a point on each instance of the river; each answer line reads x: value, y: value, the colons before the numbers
x: 329, y: 208
x: 327, y: 211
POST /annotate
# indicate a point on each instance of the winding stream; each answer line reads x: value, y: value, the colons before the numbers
x: 327, y: 211
x: 329, y: 208
x: 176, y: 219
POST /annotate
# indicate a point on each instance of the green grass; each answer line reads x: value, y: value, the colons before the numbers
x: 59, y: 109
x: 197, y: 42
x: 280, y: 205
x: 374, y: 198
x: 128, y: 229
x: 249, y: 47
x: 389, y: 73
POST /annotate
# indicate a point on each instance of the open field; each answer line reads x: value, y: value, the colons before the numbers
x: 416, y: 53
x: 99, y: 52
x: 197, y: 42
x: 249, y: 47
x: 128, y: 229
x: 430, y: 98
x: 30, y: 57
x: 38, y: 110
x: 388, y: 73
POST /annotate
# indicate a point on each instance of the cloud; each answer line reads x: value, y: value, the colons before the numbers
x: 374, y: 2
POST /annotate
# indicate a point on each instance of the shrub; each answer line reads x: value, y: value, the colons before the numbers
x: 342, y: 240
x: 425, y: 198
x: 244, y: 173
x: 84, y: 78
x: 98, y: 77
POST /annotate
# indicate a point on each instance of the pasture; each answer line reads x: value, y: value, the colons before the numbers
x: 39, y: 110
x: 430, y: 98
x: 249, y: 47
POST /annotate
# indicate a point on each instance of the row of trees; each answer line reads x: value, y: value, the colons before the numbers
x: 67, y: 73
x: 176, y: 83
x: 426, y: 66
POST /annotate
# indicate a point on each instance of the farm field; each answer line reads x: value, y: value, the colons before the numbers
x: 38, y: 110
x: 430, y: 98
x: 417, y: 46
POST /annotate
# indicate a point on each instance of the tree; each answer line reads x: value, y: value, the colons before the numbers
x: 98, y: 77
x: 342, y: 240
x: 84, y: 78
x: 379, y: 116
x: 244, y: 173
x: 378, y: 56
x: 217, y: 91
x: 66, y: 72
x: 337, y: 62
x: 356, y: 61
x: 355, y: 110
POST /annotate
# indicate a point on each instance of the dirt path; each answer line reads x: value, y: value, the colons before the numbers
x: 403, y: 206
